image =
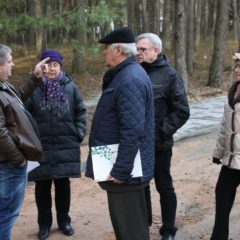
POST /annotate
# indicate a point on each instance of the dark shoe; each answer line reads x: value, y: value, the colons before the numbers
x: 168, y: 237
x: 43, y: 233
x: 67, y: 230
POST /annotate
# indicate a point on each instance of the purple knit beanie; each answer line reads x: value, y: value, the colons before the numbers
x: 54, y: 55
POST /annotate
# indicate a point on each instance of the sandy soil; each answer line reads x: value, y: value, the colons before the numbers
x: 194, y: 179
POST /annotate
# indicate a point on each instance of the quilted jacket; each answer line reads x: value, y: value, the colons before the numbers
x: 228, y: 141
x: 60, y: 137
x: 125, y: 115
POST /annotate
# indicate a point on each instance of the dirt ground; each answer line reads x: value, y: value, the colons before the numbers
x: 194, y: 179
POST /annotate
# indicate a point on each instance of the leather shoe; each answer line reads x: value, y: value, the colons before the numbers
x: 43, y: 233
x: 67, y: 230
x: 168, y: 237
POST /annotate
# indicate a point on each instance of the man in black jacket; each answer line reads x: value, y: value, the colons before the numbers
x: 171, y: 112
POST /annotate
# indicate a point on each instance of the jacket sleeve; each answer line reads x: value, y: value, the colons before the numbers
x: 131, y: 113
x: 7, y: 146
x: 220, y: 142
x: 80, y: 114
x: 179, y: 108
x: 27, y: 86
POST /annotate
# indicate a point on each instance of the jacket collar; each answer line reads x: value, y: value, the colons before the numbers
x: 161, y: 61
x: 111, y: 73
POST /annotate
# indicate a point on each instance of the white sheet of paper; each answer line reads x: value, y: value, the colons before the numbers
x: 32, y: 165
x: 103, y: 158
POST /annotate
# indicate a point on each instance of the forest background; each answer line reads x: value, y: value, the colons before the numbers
x: 199, y: 36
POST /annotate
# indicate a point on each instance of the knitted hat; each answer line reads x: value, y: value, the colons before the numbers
x: 54, y: 55
x: 121, y: 35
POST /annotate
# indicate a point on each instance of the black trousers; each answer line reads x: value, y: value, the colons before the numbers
x: 164, y: 186
x: 44, y: 201
x: 228, y: 181
x: 128, y: 214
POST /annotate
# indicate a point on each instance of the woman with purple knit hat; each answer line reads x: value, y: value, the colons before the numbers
x: 60, y: 113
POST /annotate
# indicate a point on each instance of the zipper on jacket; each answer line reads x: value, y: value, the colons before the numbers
x: 231, y: 140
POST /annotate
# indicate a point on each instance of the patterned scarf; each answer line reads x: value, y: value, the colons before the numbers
x: 53, y: 100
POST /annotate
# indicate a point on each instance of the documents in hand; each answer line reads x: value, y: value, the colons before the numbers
x: 103, y: 158
x: 32, y: 165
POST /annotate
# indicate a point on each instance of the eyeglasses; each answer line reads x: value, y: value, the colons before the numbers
x: 142, y: 49
x: 236, y: 67
x: 53, y: 65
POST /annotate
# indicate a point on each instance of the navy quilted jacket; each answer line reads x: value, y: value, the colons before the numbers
x: 125, y: 115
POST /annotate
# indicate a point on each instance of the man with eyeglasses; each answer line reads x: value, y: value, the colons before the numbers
x: 171, y: 113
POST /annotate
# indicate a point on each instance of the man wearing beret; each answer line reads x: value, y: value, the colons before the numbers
x: 125, y: 116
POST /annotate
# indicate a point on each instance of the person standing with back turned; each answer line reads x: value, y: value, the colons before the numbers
x: 125, y: 116
x: 171, y: 113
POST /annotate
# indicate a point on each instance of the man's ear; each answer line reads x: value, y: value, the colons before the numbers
x: 119, y: 50
x: 156, y: 50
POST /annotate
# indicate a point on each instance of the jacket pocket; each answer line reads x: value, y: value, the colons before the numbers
x: 30, y: 147
x: 107, y: 98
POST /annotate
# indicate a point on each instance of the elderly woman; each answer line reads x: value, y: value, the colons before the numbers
x: 59, y: 111
x: 227, y: 153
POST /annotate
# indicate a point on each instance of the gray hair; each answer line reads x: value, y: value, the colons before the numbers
x: 129, y: 49
x: 4, y: 51
x: 153, y: 38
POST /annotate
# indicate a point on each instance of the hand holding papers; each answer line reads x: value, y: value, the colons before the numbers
x: 103, y: 158
x: 32, y: 165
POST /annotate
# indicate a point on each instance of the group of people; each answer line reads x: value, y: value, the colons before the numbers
x: 143, y: 103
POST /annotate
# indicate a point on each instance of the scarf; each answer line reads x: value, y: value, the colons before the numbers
x: 53, y: 99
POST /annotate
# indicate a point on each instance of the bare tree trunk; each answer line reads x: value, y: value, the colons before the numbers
x: 137, y: 17
x: 167, y: 24
x: 153, y: 9
x: 78, y: 62
x: 30, y: 38
x: 211, y: 14
x: 221, y: 27
x: 203, y: 19
x: 198, y: 23
x: 180, y: 41
x: 173, y: 13
x: 238, y: 22
x: 130, y: 14
x: 235, y: 20
x: 39, y: 30
x: 190, y: 36
x: 145, y: 25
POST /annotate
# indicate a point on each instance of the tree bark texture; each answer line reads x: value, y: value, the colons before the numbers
x: 215, y: 71
x: 180, y: 41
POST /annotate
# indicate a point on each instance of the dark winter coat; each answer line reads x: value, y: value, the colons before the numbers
x: 170, y: 101
x: 60, y: 137
x: 125, y: 115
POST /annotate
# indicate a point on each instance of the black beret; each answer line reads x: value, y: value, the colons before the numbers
x: 121, y: 35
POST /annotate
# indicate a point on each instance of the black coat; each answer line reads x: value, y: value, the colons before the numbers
x: 170, y: 101
x: 60, y: 137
